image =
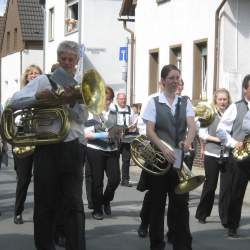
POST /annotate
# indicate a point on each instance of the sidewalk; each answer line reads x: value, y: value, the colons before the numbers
x: 199, y: 171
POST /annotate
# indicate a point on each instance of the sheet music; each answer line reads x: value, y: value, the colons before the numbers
x: 178, y: 158
x: 62, y: 78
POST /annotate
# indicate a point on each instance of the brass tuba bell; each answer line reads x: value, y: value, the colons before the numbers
x: 36, y: 119
x: 204, y: 113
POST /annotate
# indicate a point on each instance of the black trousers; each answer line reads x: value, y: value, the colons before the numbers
x: 126, y: 155
x: 23, y: 167
x: 60, y: 228
x: 155, y: 202
x: 88, y: 183
x: 58, y: 173
x: 212, y: 170
x: 239, y: 174
x: 100, y: 162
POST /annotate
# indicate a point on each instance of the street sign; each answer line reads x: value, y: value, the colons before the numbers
x: 123, y: 54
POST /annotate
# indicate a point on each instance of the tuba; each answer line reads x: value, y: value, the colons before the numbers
x: 35, y: 120
x: 243, y: 153
x: 204, y: 113
x: 147, y: 157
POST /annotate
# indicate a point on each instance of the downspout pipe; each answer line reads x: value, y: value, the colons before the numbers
x: 217, y: 46
x: 132, y: 39
x: 80, y: 23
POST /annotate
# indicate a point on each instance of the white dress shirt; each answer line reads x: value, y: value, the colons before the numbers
x: 149, y: 111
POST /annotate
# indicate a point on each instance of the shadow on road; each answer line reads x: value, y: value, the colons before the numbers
x: 16, y: 242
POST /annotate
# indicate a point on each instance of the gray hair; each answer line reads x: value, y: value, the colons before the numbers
x: 68, y: 46
x: 121, y: 92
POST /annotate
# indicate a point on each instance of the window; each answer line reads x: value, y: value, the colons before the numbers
x: 175, y: 56
x: 51, y: 23
x: 71, y: 20
x: 8, y: 42
x: 15, y: 38
x: 153, y: 71
x: 200, y: 71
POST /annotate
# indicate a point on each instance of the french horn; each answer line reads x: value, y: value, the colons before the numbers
x: 147, y: 157
x: 204, y: 113
x: 150, y: 159
x: 36, y: 119
x: 241, y: 154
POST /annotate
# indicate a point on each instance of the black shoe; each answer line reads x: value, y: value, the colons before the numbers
x: 97, y: 215
x: 107, y: 209
x: 232, y: 233
x: 142, y: 231
x: 18, y: 219
x: 60, y: 241
x: 126, y: 183
x: 202, y: 221
x: 225, y: 225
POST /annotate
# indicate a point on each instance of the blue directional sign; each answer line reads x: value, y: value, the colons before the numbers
x: 123, y: 54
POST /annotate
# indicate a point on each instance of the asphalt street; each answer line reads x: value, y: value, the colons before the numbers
x: 119, y: 231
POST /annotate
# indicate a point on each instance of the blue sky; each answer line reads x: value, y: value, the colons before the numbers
x: 2, y: 6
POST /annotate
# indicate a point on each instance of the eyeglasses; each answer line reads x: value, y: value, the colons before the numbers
x: 173, y: 78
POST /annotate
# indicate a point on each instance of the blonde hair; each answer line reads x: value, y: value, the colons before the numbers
x: 222, y: 91
x: 24, y: 78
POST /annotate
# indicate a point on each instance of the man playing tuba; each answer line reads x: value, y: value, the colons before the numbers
x: 58, y: 166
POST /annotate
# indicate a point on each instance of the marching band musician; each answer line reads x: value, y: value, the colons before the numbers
x: 23, y: 166
x: 215, y: 159
x: 58, y: 167
x: 167, y: 117
x: 124, y: 118
x: 239, y: 172
x: 103, y: 156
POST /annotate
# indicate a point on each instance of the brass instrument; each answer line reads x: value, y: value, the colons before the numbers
x: 204, y: 113
x: 22, y: 152
x: 244, y: 152
x: 188, y: 181
x: 147, y: 157
x: 152, y: 161
x: 35, y: 120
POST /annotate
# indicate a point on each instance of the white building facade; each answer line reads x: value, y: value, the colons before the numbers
x: 210, y: 52
x: 94, y: 25
x: 13, y: 66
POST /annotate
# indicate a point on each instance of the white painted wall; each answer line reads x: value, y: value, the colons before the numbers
x: 183, y: 22
x: 10, y: 76
x: 235, y: 43
x: 102, y: 36
x: 32, y: 57
x: 13, y: 66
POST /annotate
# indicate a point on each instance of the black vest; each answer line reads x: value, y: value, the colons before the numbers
x: 171, y: 129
